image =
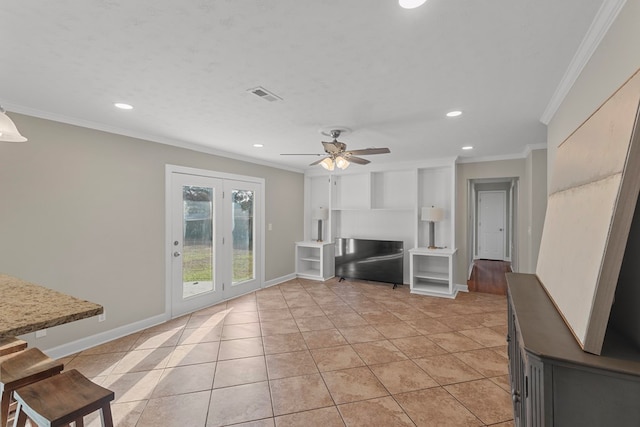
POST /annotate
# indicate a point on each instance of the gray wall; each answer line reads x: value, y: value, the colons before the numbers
x: 537, y: 179
x: 531, y: 173
x: 83, y: 213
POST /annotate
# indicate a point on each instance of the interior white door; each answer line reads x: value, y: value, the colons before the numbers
x: 216, y: 240
x: 491, y: 224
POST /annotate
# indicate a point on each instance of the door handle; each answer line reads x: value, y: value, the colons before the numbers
x: 176, y: 254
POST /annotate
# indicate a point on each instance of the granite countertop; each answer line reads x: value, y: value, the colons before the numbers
x: 26, y: 307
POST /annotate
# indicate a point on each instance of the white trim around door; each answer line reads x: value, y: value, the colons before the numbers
x: 224, y: 257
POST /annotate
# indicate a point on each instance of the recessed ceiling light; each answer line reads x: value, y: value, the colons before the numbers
x: 454, y: 113
x: 258, y: 145
x: 411, y: 4
x: 123, y: 106
x: 467, y: 147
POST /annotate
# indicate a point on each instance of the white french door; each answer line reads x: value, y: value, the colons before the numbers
x: 215, y: 230
x: 242, y: 234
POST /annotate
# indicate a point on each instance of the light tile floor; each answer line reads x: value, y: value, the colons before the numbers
x: 308, y: 353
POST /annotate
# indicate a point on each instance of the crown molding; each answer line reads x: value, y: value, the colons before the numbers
x: 491, y: 158
x: 143, y: 136
x: 603, y: 20
x: 516, y: 156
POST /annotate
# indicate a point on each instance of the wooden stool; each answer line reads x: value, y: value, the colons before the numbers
x: 61, y: 399
x: 11, y: 345
x: 20, y: 369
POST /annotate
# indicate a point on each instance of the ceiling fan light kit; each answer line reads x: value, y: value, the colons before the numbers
x: 330, y: 164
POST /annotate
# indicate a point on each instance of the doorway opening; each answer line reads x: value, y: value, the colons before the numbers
x: 492, y: 237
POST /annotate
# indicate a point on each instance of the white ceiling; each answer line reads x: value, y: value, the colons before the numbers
x: 387, y: 73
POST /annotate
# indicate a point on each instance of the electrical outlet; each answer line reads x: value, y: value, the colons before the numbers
x: 102, y: 317
x: 270, y: 227
x: 41, y: 333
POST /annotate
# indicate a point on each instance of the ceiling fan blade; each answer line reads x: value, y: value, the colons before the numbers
x: 334, y: 147
x: 317, y: 162
x: 358, y: 160
x: 369, y: 151
x: 300, y: 154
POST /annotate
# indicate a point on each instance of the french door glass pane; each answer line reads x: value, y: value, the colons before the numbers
x: 242, y: 232
x: 197, y: 249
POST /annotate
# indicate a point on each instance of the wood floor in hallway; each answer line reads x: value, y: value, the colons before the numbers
x: 488, y: 276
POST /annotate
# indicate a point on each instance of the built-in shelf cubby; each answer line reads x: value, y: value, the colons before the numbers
x: 432, y: 272
x: 315, y: 260
x: 393, y: 190
x: 351, y: 192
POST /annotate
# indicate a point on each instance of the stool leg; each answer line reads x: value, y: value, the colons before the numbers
x: 107, y: 420
x: 4, y: 407
x: 20, y: 418
x: 80, y: 422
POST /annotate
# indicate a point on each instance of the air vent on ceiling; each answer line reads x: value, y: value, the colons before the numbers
x: 264, y: 94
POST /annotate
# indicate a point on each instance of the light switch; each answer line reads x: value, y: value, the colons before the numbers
x: 270, y: 227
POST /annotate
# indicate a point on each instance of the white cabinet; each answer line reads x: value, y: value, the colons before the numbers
x: 315, y: 260
x: 431, y: 272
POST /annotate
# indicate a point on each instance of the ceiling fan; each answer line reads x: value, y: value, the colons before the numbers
x: 337, y: 154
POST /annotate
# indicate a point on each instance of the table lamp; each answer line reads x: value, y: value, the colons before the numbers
x: 432, y: 215
x: 321, y: 214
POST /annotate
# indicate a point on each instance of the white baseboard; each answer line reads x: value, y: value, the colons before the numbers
x: 122, y: 331
x: 460, y: 288
x: 104, y: 337
x: 279, y: 280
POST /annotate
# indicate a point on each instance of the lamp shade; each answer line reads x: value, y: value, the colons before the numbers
x: 432, y: 214
x: 342, y: 163
x: 327, y: 164
x: 321, y: 213
x: 8, y: 130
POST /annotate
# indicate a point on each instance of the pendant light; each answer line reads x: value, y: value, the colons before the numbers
x: 8, y: 130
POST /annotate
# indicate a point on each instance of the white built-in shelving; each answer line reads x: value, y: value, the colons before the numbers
x: 384, y: 202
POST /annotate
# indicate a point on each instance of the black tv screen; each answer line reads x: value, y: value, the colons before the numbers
x: 375, y: 260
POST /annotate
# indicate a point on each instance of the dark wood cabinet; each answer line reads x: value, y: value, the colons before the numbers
x: 554, y: 382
